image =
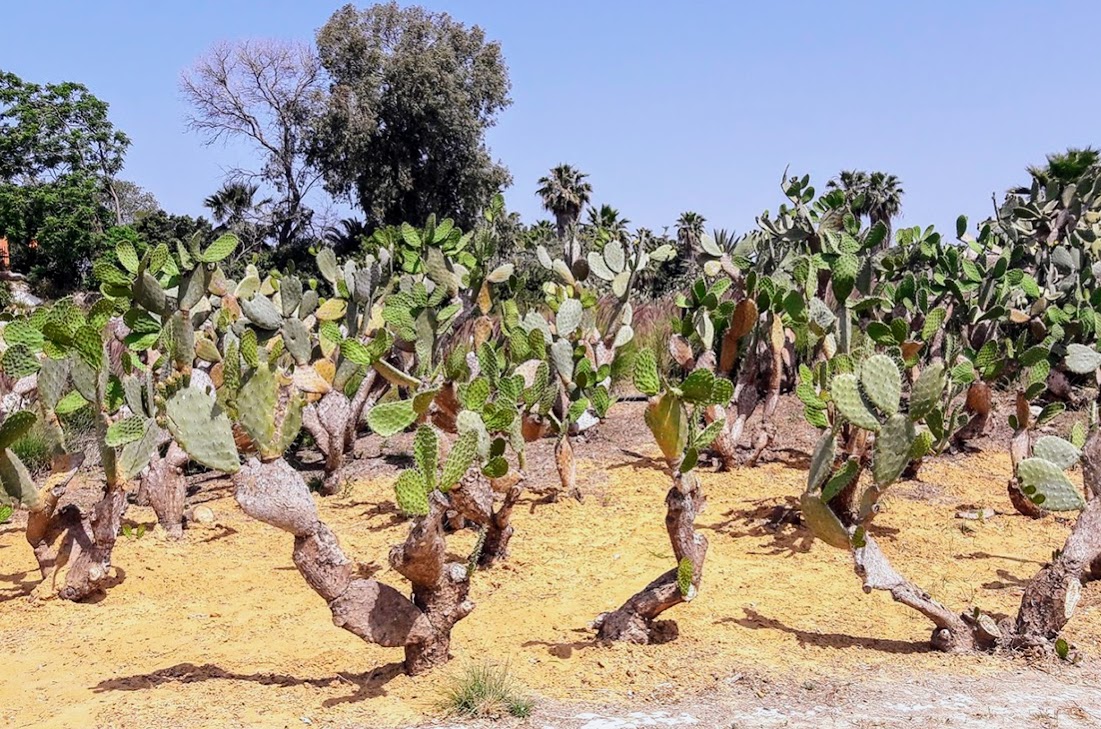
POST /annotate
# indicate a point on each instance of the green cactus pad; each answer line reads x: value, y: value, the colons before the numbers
x: 840, y: 480
x: 495, y: 468
x: 459, y: 460
x: 823, y: 523
x: 882, y: 382
x: 1082, y: 359
x: 708, y: 435
x: 426, y: 453
x: 296, y: 337
x: 1062, y: 453
x: 16, y: 479
x: 411, y: 494
x: 845, y: 392
x: 927, y: 391
x: 250, y: 350
x: 391, y: 418
x: 892, y: 449
x: 568, y: 318
x: 646, y: 377
x: 135, y: 455
x: 1047, y: 485
x: 821, y: 461
x: 261, y: 312
x: 668, y: 422
x: 697, y: 386
x: 562, y: 356
x: 222, y: 248
x: 53, y: 379
x: 19, y: 361
x: 15, y: 426
x: 202, y: 429
x: 685, y: 574
x: 193, y: 287
x: 19, y: 332
x: 256, y: 401
x: 923, y: 444
x: 326, y: 263
x: 125, y: 431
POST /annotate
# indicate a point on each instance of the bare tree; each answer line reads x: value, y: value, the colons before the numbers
x: 261, y: 91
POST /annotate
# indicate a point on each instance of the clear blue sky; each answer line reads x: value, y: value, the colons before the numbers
x: 669, y: 107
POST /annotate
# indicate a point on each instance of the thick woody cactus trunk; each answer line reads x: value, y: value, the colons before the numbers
x: 636, y: 620
x: 165, y: 488
x: 1051, y: 597
x: 276, y: 494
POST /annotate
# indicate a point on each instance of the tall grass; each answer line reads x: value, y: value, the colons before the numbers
x: 484, y: 690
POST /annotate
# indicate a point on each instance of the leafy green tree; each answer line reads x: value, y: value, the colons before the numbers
x: 402, y: 128
x: 565, y: 192
x: 59, y: 154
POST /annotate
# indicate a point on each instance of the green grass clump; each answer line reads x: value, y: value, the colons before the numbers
x: 485, y: 690
x: 33, y: 449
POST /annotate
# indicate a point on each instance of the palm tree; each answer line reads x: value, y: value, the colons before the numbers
x: 232, y: 203
x: 689, y: 232
x: 565, y: 193
x: 605, y: 224
x: 876, y: 196
x: 347, y: 236
x: 1065, y: 167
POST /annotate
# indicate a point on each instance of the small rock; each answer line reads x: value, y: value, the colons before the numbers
x: 202, y: 515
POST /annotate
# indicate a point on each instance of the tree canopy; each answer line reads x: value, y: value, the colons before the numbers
x: 59, y: 155
x: 402, y: 129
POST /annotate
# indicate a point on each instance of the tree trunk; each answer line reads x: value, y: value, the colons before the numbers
x: 276, y: 494
x: 499, y: 530
x: 953, y: 633
x: 634, y: 621
x: 567, y: 468
x: 73, y: 549
x: 1051, y: 597
x: 165, y: 487
x: 328, y: 422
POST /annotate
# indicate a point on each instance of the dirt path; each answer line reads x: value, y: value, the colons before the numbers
x: 219, y: 630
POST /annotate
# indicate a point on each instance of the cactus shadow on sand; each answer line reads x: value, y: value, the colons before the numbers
x: 369, y: 685
x: 756, y: 621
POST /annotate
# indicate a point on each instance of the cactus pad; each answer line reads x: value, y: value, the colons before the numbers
x: 822, y: 522
x: 1062, y: 453
x: 697, y: 386
x: 390, y: 418
x: 882, y: 382
x: 892, y: 449
x: 1047, y: 485
x: 668, y: 421
x: 411, y: 494
x: 202, y: 429
x: 261, y: 312
x: 846, y: 396
x: 685, y: 573
x: 125, y: 431
x: 1082, y: 359
x: 296, y: 337
x: 425, y: 454
x: 562, y: 356
x: 646, y: 376
x: 459, y: 460
x: 569, y: 317
x: 821, y: 461
x: 927, y: 390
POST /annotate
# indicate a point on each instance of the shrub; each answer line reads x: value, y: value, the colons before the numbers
x: 485, y: 690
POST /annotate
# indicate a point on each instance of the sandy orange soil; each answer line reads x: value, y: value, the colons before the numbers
x: 220, y: 630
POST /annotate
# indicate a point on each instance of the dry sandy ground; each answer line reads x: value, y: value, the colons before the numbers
x: 219, y: 630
